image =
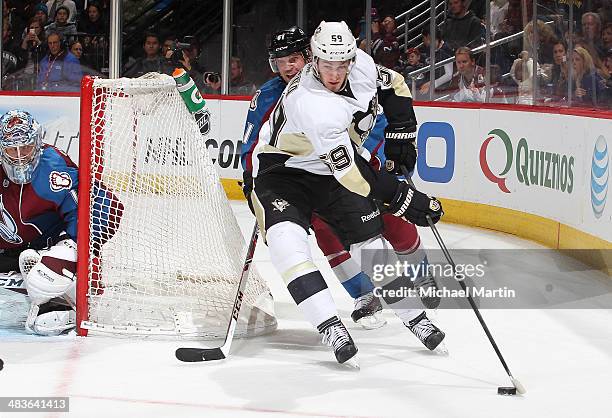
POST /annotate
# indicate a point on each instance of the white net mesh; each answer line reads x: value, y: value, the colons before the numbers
x: 173, y: 265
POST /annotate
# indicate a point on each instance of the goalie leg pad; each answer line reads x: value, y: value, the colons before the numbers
x: 54, y: 275
x: 54, y: 322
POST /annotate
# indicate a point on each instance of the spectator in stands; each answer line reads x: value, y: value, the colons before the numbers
x: 167, y: 44
x: 469, y: 80
x: 93, y: 22
x: 546, y: 41
x: 193, y: 53
x: 11, y: 61
x: 184, y: 60
x: 413, y: 63
x: 59, y: 69
x: 444, y: 73
x: 478, y: 7
x: 387, y: 53
x: 95, y: 43
x: 388, y: 26
x: 42, y: 14
x: 462, y: 27
x: 77, y: 50
x: 239, y: 86
x: 559, y: 76
x: 504, y: 55
x: 608, y: 64
x: 606, y: 37
x: 591, y: 33
x: 587, y: 84
x: 54, y: 5
x: 499, y: 9
x: 152, y: 61
x: 595, y: 56
x: 376, y: 32
x: 61, y: 24
x: 33, y: 48
x: 24, y: 9
x: 15, y: 19
x: 522, y: 73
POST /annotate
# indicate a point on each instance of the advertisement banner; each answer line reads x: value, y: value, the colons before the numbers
x: 445, y: 142
x: 531, y: 166
x: 596, y: 216
x: 551, y: 165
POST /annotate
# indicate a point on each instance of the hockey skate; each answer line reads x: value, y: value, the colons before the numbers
x: 368, y: 312
x: 336, y: 335
x: 429, y: 334
x: 424, y: 285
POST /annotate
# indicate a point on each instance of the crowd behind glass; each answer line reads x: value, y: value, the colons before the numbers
x: 50, y: 45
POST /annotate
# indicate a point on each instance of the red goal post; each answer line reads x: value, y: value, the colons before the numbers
x: 169, y: 261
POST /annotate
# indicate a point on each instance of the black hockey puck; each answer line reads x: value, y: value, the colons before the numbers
x: 506, y: 390
x: 1, y: 364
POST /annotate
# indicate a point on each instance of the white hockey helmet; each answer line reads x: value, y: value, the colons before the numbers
x: 20, y: 145
x: 333, y: 41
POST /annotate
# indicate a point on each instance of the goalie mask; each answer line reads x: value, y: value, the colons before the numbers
x: 20, y: 145
x: 333, y: 42
x: 287, y: 42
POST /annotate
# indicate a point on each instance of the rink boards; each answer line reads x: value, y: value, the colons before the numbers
x: 539, y: 173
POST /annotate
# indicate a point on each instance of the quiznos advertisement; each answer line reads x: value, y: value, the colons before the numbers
x: 552, y: 165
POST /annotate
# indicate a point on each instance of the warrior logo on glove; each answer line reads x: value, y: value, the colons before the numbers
x: 415, y: 206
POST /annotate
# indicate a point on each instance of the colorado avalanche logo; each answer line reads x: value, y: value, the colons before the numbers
x: 8, y: 226
x: 60, y: 181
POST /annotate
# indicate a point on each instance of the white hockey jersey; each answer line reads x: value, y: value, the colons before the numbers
x: 319, y: 131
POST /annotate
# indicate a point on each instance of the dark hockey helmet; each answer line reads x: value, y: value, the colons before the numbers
x: 287, y: 42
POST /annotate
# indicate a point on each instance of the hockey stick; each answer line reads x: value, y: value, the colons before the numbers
x: 219, y: 353
x: 517, y: 385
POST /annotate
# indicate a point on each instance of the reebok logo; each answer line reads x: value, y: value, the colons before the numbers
x: 369, y: 217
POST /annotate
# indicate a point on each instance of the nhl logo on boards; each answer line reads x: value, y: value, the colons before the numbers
x: 59, y: 181
x: 280, y: 204
x: 203, y: 120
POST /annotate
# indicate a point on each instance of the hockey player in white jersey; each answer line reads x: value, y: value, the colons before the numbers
x: 307, y: 161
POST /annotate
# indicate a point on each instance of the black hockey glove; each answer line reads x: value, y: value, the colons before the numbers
x: 414, y: 206
x: 247, y: 188
x: 400, y: 148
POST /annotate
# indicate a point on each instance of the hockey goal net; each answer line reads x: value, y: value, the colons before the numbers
x: 172, y: 265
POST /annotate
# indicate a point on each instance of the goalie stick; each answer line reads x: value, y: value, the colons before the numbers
x: 189, y: 354
x: 517, y: 385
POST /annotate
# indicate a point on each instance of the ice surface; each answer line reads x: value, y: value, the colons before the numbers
x: 562, y: 356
